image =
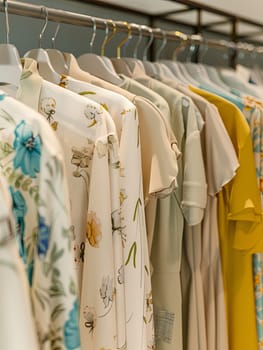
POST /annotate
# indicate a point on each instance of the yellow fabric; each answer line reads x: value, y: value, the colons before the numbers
x: 239, y: 215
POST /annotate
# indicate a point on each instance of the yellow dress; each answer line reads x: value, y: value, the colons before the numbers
x: 239, y: 215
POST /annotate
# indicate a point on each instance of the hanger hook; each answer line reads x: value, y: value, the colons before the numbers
x: 55, y: 36
x: 125, y: 40
x: 7, y: 28
x: 102, y: 49
x: 135, y: 51
x: 94, y: 31
x: 108, y: 37
x: 43, y: 8
x: 183, y: 42
x: 161, y: 48
x: 144, y: 57
x: 203, y: 50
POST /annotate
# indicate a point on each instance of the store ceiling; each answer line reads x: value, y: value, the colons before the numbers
x: 251, y: 9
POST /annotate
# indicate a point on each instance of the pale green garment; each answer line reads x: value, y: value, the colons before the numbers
x: 188, y: 201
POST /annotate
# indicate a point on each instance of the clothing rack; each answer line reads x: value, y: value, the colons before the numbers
x: 73, y: 18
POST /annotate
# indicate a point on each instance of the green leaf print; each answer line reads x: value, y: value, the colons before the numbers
x: 146, y: 269
x: 26, y: 184
x: 72, y: 288
x: 83, y: 93
x: 6, y: 116
x: 18, y: 180
x: 25, y: 75
x: 139, y: 202
x: 69, y: 235
x: 56, y: 254
x: 56, y: 289
x: 51, y: 186
x: 49, y: 266
x: 42, y: 298
x: 5, y: 150
x: 59, y: 309
x: 133, y: 251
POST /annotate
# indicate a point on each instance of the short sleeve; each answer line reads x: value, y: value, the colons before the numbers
x: 159, y: 152
x: 194, y: 178
x: 220, y: 151
x: 244, y: 204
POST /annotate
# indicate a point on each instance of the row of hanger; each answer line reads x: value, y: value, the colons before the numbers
x: 52, y: 62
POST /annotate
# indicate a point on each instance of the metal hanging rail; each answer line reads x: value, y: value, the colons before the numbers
x: 67, y: 17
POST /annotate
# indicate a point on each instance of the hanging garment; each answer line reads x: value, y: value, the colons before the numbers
x: 239, y: 212
x: 217, y: 150
x: 34, y: 169
x: 89, y: 140
x: 133, y: 274
x: 166, y: 149
x: 217, y: 147
x: 15, y: 303
x: 252, y: 110
x: 182, y: 112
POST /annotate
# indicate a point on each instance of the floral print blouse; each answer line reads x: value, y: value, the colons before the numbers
x: 131, y: 250
x: 90, y: 145
x: 32, y: 163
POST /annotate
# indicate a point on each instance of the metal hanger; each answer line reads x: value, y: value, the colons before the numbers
x: 54, y: 37
x: 145, y: 52
x: 184, y: 40
x: 56, y: 57
x: 135, y: 51
x: 94, y: 32
x: 44, y: 27
x: 108, y: 37
x: 124, y: 41
x: 163, y: 44
x: 45, y: 68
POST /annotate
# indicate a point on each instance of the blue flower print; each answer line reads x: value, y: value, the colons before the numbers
x: 19, y: 209
x: 43, y: 236
x: 71, y: 329
x: 27, y: 150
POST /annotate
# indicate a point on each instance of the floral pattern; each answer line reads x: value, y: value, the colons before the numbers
x: 48, y: 108
x: 81, y: 158
x: 113, y: 229
x: 107, y: 291
x: 90, y: 318
x: 93, y: 114
x: 43, y: 236
x: 253, y: 111
x: 32, y: 165
x: 71, y: 335
x: 19, y: 210
x: 27, y: 150
x: 93, y: 230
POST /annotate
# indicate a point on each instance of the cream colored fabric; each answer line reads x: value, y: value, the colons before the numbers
x: 218, y: 150
x: 188, y: 202
x: 132, y: 230
x: 91, y: 151
x: 169, y: 151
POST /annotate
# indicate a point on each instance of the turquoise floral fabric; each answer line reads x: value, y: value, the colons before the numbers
x: 28, y: 150
x: 32, y: 163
